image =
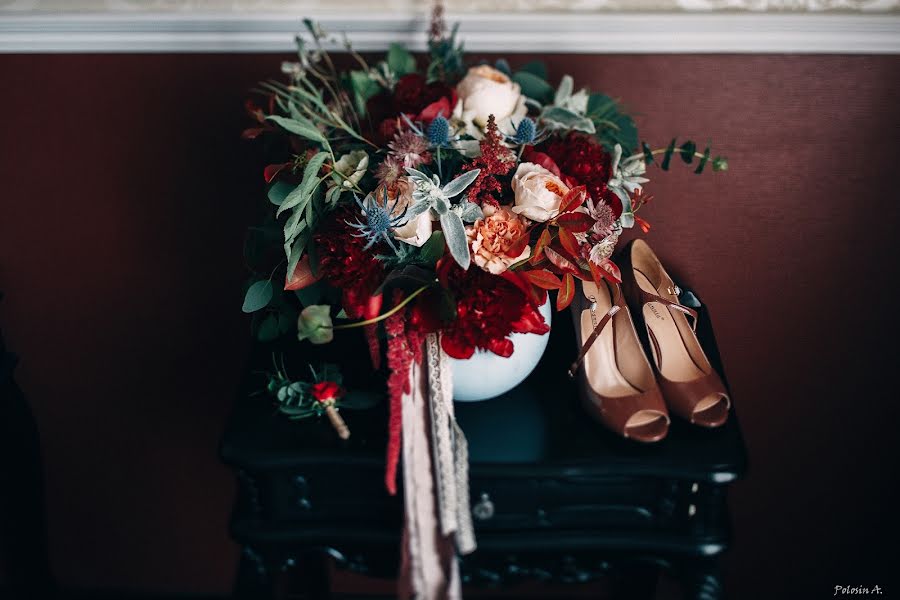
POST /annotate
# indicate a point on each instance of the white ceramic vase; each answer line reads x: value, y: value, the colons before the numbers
x: 487, y: 375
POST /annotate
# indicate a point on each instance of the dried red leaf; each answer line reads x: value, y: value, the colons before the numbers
x: 543, y: 279
x: 566, y: 292
x: 518, y: 247
x: 561, y: 262
x: 543, y: 242
x: 573, y: 199
x: 272, y: 171
x: 608, y: 271
x: 302, y: 276
x: 575, y: 222
x: 569, y: 242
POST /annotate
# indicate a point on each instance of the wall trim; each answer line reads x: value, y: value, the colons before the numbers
x: 619, y: 33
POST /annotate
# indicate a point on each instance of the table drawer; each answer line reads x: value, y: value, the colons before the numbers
x: 561, y: 503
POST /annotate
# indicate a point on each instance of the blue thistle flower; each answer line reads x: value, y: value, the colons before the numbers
x: 379, y: 221
x: 525, y: 132
x: 439, y: 131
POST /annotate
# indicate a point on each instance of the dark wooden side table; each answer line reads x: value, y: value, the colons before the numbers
x: 555, y: 497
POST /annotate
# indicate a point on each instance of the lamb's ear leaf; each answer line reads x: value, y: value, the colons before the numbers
x: 564, y: 91
x: 455, y: 234
x: 456, y: 187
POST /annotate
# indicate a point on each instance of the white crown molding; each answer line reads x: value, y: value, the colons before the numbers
x: 612, y: 33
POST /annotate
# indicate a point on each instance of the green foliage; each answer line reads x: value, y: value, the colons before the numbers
x: 364, y: 87
x: 278, y: 191
x: 534, y: 87
x: 400, y: 61
x: 688, y: 152
x: 426, y: 256
x: 446, y: 58
x: 613, y: 126
x: 299, y: 126
x: 536, y: 68
x: 258, y: 296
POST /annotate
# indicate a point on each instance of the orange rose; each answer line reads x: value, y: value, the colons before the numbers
x: 493, y: 237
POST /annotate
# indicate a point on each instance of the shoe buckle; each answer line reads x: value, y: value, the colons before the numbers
x: 674, y: 290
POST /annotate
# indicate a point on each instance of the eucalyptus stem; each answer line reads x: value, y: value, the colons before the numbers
x: 676, y: 150
x: 389, y: 313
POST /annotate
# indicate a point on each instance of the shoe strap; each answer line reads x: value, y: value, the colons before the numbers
x: 648, y: 297
x: 593, y: 338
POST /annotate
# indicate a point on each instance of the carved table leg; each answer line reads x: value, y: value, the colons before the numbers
x: 701, y: 580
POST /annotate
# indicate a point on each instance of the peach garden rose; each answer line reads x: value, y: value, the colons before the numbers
x: 485, y: 91
x: 538, y: 192
x: 494, y: 236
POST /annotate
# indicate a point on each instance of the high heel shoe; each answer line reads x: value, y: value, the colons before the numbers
x: 691, y: 387
x: 618, y: 385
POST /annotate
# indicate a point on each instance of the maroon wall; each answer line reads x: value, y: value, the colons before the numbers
x: 125, y: 194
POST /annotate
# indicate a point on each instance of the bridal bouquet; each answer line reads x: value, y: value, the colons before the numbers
x: 427, y: 196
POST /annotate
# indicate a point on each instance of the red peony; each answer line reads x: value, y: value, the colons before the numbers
x: 582, y: 161
x: 488, y: 309
x: 326, y: 391
x: 345, y: 265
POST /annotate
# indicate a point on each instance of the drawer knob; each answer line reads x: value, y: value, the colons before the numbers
x: 483, y: 509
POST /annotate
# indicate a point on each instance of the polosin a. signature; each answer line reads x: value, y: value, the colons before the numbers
x: 857, y: 590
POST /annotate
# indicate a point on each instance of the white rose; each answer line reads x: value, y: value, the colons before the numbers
x: 538, y: 192
x: 485, y: 91
x: 417, y: 230
x: 352, y: 166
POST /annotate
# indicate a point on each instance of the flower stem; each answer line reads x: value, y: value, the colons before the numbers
x: 384, y: 316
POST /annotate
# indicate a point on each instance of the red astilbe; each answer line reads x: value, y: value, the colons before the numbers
x: 400, y: 357
x: 488, y: 309
x: 495, y: 159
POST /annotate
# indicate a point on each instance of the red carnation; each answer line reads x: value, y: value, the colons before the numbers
x: 345, y: 265
x: 326, y: 391
x: 582, y: 161
x: 488, y: 309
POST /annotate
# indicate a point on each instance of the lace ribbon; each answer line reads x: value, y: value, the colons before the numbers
x: 436, y: 483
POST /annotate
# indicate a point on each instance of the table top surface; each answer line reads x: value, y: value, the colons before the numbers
x: 537, y: 429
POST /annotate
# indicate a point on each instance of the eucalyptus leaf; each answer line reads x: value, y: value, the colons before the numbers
x: 268, y: 329
x: 258, y: 296
x: 303, y: 128
x: 455, y: 232
x: 534, y: 86
x: 278, y: 191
